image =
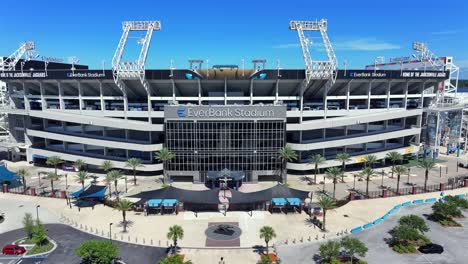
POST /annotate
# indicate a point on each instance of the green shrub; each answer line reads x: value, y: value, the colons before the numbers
x: 458, y: 201
x: 361, y: 261
x: 404, y: 248
x: 39, y: 235
x: 97, y: 251
x: 40, y: 248
x: 28, y: 225
x: 449, y: 222
x: 415, y: 222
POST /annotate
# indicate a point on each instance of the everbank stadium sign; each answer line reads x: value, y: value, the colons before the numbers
x: 224, y: 112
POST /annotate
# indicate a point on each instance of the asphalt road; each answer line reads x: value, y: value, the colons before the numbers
x: 454, y: 240
x: 68, y: 239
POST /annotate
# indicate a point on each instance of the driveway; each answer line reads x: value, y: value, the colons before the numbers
x: 69, y: 239
x: 454, y: 241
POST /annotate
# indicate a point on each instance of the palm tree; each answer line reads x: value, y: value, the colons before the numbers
x: 23, y: 173
x: 115, y: 175
x: 367, y: 172
x: 107, y: 165
x: 164, y: 156
x: 370, y: 160
x: 427, y: 164
x: 343, y: 157
x: 134, y: 163
x: 316, y: 159
x: 326, y: 203
x: 81, y: 177
x: 399, y: 170
x: 124, y: 206
x: 267, y: 233
x: 175, y: 233
x: 79, y: 164
x: 286, y: 154
x: 108, y: 181
x: 333, y: 173
x: 52, y: 177
x: 54, y: 161
x: 394, y: 156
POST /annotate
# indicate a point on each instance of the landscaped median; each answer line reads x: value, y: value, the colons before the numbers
x: 33, y: 250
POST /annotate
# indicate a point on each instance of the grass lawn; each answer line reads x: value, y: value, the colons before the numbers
x: 40, y: 249
x: 24, y: 241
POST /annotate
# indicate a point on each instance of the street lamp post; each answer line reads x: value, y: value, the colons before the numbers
x: 409, y: 170
x: 126, y: 189
x: 381, y: 184
x: 37, y: 212
x: 110, y: 232
x: 354, y: 184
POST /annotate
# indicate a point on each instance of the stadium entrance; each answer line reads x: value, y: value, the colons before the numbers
x: 227, y: 151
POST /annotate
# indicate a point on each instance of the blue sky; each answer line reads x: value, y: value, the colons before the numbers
x: 227, y: 31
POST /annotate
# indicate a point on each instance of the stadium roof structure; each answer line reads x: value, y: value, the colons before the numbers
x: 185, y: 196
x: 278, y: 191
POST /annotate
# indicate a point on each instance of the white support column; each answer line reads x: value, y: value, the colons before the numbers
x: 388, y: 94
x: 225, y: 91
x: 103, y: 105
x: 302, y: 100
x: 150, y: 108
x: 43, y: 101
x: 80, y: 96
x: 369, y: 89
x: 405, y: 103
x: 251, y: 92
x: 27, y: 105
x: 276, y: 90
x: 325, y: 101
x: 348, y: 88
x: 173, y: 90
x: 60, y: 91
x: 199, y: 92
x: 125, y: 101
x: 422, y: 93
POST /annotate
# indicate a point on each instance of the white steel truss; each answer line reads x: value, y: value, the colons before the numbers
x: 425, y: 54
x: 316, y: 69
x: 26, y: 49
x: 131, y: 70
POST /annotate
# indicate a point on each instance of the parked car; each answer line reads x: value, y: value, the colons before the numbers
x: 13, y: 249
x: 317, y: 211
x: 431, y: 249
x: 69, y: 167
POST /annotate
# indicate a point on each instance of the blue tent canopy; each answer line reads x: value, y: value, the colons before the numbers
x: 6, y: 175
x: 278, y: 201
x: 77, y: 193
x: 154, y: 202
x: 294, y: 201
x: 90, y: 191
x: 169, y: 202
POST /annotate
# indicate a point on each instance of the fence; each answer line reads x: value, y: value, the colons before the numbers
x: 42, y: 192
x: 451, y: 184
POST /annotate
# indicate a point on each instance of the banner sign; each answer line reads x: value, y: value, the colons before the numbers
x: 371, y: 74
x: 191, y: 112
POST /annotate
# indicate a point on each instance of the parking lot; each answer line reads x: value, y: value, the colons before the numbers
x: 453, y: 239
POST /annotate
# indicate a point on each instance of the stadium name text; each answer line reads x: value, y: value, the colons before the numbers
x: 228, y: 112
x: 43, y: 75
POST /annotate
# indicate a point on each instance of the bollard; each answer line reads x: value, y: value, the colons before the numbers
x: 286, y: 242
x: 323, y: 236
x: 115, y: 236
x: 316, y: 237
x: 294, y: 241
x: 159, y: 243
x: 102, y: 232
x: 86, y: 228
x: 309, y: 238
x: 128, y: 238
x: 151, y: 241
x: 136, y: 239
x: 91, y: 230
x: 167, y: 243
x: 121, y: 237
x: 302, y: 239
x: 144, y: 241
x: 81, y: 226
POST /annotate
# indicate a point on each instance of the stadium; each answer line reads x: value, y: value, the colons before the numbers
x: 224, y: 120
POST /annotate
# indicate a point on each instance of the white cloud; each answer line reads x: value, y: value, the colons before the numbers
x: 447, y: 32
x: 364, y: 44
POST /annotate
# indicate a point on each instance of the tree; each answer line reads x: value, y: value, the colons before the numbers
x: 108, y: 181
x: 51, y: 176
x: 23, y: 173
x: 39, y: 235
x: 415, y: 222
x: 134, y: 163
x: 176, y: 232
x: 79, y: 164
x: 107, y: 165
x: 399, y: 170
x: 404, y: 233
x: 343, y: 157
x: 267, y: 233
x: 81, y: 177
x: 426, y: 164
x: 28, y: 224
x: 354, y: 246
x: 164, y: 156
x: 445, y: 210
x: 286, y: 154
x: 330, y: 250
x: 174, y: 259
x: 368, y: 173
x: 316, y: 159
x: 97, y: 251
x: 115, y: 175
x: 370, y: 160
x: 124, y: 206
x: 333, y: 173
x: 394, y: 156
x: 54, y: 161
x: 326, y: 203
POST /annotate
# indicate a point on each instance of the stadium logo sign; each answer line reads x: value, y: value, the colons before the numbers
x: 181, y: 112
x: 215, y: 112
